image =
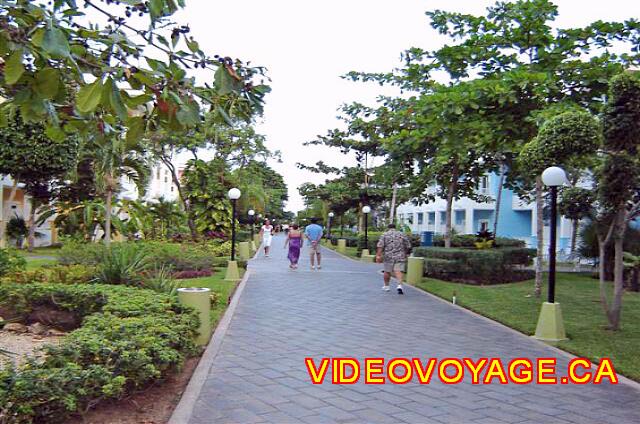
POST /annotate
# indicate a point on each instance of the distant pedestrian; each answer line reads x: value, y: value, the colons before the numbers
x: 314, y: 232
x: 295, y: 242
x: 393, y: 248
x: 267, y: 234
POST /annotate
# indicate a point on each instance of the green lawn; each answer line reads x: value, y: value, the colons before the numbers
x: 33, y: 263
x: 217, y: 284
x: 583, y: 316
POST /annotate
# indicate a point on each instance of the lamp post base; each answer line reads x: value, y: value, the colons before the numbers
x: 243, y: 250
x: 550, y: 324
x: 232, y: 271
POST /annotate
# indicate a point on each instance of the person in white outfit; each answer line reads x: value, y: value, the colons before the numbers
x: 267, y: 234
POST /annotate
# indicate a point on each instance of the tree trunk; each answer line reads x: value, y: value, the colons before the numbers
x: 31, y: 238
x: 185, y: 202
x: 450, y: 195
x: 496, y: 213
x: 107, y: 219
x: 618, y: 269
x: 574, y: 235
x: 602, y: 256
x: 392, y: 209
x: 539, y: 236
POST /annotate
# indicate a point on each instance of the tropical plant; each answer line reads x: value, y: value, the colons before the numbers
x: 121, y: 264
x: 17, y: 229
x: 160, y: 279
x: 632, y: 262
x: 116, y: 158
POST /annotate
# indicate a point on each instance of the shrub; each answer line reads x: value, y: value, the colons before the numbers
x: 161, y: 280
x: 469, y: 241
x: 487, y: 266
x: 180, y: 275
x: 11, y: 261
x: 122, y: 264
x: 77, y: 253
x: 129, y: 338
x: 64, y: 274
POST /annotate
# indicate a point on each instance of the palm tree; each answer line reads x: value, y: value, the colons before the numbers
x: 114, y: 158
x: 168, y: 213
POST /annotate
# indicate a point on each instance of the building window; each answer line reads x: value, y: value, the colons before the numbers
x: 158, y: 174
x: 432, y: 218
x: 483, y: 225
x: 420, y: 218
x: 459, y: 217
x: 410, y: 218
x: 166, y: 180
x: 483, y: 185
x: 172, y: 189
x: 401, y: 217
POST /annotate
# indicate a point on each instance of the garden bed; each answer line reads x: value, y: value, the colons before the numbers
x: 128, y: 339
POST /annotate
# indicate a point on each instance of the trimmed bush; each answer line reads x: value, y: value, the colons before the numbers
x: 469, y: 241
x: 487, y: 266
x: 129, y: 338
x: 64, y: 274
x: 11, y: 261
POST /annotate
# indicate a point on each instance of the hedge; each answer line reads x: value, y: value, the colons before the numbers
x: 372, y: 239
x: 128, y: 339
x: 469, y: 240
x: 486, y: 266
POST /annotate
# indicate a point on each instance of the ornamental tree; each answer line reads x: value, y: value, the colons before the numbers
x: 92, y: 71
x: 545, y: 65
x: 35, y: 160
x: 619, y: 179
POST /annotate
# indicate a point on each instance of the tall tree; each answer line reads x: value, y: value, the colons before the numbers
x: 116, y: 158
x: 35, y: 160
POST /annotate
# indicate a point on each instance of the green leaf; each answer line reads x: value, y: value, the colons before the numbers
x: 111, y: 92
x: 193, y: 45
x: 89, y: 96
x: 55, y: 133
x: 55, y: 43
x: 13, y: 68
x: 188, y: 115
x: 136, y: 101
x: 155, y: 7
x: 135, y: 128
x: 48, y: 82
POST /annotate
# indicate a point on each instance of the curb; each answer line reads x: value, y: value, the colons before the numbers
x: 183, y: 411
x: 559, y: 352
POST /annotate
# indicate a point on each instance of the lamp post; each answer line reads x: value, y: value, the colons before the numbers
x: 550, y: 324
x: 366, y: 210
x: 251, y: 220
x: 330, y: 215
x: 234, y: 195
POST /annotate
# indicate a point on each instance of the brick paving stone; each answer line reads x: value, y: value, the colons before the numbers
x: 283, y: 316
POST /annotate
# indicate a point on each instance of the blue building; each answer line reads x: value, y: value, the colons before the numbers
x: 517, y: 217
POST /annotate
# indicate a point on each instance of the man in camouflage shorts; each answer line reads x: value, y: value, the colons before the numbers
x: 393, y: 248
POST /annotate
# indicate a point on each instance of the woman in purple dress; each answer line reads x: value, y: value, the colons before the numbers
x: 295, y: 241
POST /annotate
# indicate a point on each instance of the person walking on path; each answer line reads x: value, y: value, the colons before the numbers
x: 266, y: 232
x: 314, y: 232
x: 295, y: 242
x: 393, y: 248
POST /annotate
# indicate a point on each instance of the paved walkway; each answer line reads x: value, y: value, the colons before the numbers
x: 284, y: 316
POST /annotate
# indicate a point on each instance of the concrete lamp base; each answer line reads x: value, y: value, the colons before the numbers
x: 243, y: 250
x: 342, y: 245
x: 199, y: 299
x: 415, y: 270
x: 252, y: 245
x: 550, y: 324
x: 368, y: 258
x: 232, y: 271
x: 365, y: 252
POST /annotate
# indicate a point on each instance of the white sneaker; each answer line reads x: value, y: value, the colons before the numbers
x: 386, y: 288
